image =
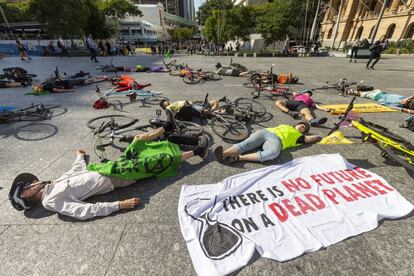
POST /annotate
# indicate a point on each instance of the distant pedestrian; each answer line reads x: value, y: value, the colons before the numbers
x: 62, y: 47
x: 354, y: 50
x: 51, y: 47
x: 376, y: 49
x: 101, y: 48
x: 128, y: 48
x: 108, y: 48
x: 22, y: 51
x: 91, y: 45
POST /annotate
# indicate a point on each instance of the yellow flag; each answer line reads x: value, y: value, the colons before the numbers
x: 336, y: 138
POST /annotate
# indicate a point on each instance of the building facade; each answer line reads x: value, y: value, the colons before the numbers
x: 250, y: 2
x: 171, y: 6
x: 359, y: 17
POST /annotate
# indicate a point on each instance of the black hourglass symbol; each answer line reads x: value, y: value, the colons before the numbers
x: 218, y: 240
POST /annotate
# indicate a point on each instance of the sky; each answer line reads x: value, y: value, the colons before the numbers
x: 197, y: 3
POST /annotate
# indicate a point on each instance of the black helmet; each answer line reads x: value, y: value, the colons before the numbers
x: 19, y: 183
x: 306, y: 124
x: 218, y: 65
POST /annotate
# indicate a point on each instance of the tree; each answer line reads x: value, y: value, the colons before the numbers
x: 179, y: 34
x: 214, y: 28
x: 96, y: 23
x: 278, y: 19
x: 61, y: 17
x: 206, y: 10
x: 17, y: 12
x: 239, y: 22
x: 119, y: 8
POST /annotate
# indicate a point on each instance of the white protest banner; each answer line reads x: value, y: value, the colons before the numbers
x: 283, y: 211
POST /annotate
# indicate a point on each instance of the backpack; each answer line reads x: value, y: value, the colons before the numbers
x: 186, y: 113
x: 100, y: 104
x: 409, y: 123
x: 364, y: 88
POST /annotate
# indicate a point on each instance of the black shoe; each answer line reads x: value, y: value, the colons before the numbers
x: 372, y: 68
x: 367, y: 67
x: 218, y: 152
x: 293, y: 114
x: 223, y: 99
x: 204, y: 143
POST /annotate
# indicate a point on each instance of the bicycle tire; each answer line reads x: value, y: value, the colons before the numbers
x: 385, y: 132
x: 229, y: 129
x: 188, y: 128
x: 399, y: 157
x: 191, y: 79
x: 129, y: 121
x: 154, y: 100
x: 175, y: 73
x: 212, y: 76
x: 246, y: 104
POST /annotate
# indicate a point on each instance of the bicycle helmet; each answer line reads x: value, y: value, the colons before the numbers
x: 310, y: 92
x: 139, y: 68
x: 37, y: 88
x: 20, y: 182
x: 218, y: 65
x: 306, y: 124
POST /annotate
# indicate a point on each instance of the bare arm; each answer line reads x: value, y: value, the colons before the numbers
x: 310, y: 139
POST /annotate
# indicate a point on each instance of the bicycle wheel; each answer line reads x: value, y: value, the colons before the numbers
x: 128, y: 136
x: 229, y: 129
x: 385, y: 132
x: 154, y: 100
x: 248, y: 105
x: 212, y: 76
x: 188, y: 128
x: 192, y: 79
x: 174, y: 72
x: 403, y: 159
x: 104, y: 124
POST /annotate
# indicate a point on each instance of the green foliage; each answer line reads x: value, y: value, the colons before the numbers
x: 215, y: 29
x: 277, y: 20
x: 61, y: 17
x: 239, y: 22
x: 96, y: 23
x: 206, y: 10
x: 119, y: 8
x: 17, y: 12
x: 179, y: 34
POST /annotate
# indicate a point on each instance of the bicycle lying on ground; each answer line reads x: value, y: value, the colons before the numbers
x: 35, y: 112
x: 392, y: 146
x: 232, y: 120
x: 144, y: 96
x: 17, y: 74
x: 193, y: 77
x: 175, y: 69
x: 117, y: 131
x: 342, y: 86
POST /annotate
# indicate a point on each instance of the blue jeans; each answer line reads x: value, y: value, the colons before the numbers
x: 270, y: 143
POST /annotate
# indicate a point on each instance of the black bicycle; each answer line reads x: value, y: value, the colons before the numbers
x: 35, y: 112
x: 342, y: 86
x: 117, y: 131
x: 17, y: 74
x: 232, y: 120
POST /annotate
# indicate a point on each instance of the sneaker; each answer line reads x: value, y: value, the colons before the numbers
x: 204, y: 143
x: 218, y: 152
x: 372, y: 68
x: 318, y: 122
x: 293, y: 114
x: 367, y: 67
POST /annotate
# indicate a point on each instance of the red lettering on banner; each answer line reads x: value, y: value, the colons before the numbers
x: 279, y: 211
x: 334, y: 176
x: 373, y: 186
x: 304, y: 207
x: 352, y: 193
x: 362, y: 172
x: 290, y: 185
x: 364, y: 189
x: 303, y: 183
x: 344, y: 176
x: 347, y: 198
x: 317, y: 180
x: 331, y: 195
x: 290, y: 207
x: 326, y: 178
x: 379, y: 183
x: 354, y: 174
x: 315, y: 200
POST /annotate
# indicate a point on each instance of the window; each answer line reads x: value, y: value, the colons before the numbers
x: 329, y: 34
x: 371, y: 32
x: 390, y: 31
x: 359, y: 33
x: 409, y: 33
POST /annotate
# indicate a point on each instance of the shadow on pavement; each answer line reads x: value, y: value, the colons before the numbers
x: 34, y: 131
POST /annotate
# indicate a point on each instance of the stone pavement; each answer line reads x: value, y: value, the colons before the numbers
x: 147, y: 240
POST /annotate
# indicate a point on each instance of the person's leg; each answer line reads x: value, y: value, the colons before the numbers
x: 356, y: 54
x: 352, y: 54
x: 185, y: 155
x: 375, y: 62
x: 307, y: 114
x: 214, y: 104
x: 271, y: 148
x: 281, y: 104
x: 252, y: 142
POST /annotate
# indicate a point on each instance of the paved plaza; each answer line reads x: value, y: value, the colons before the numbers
x: 147, y: 240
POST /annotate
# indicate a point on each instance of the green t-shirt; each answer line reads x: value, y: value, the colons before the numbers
x: 143, y: 159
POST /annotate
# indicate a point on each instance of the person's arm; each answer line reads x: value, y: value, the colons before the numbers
x: 310, y: 139
x: 83, y: 211
x: 406, y: 110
